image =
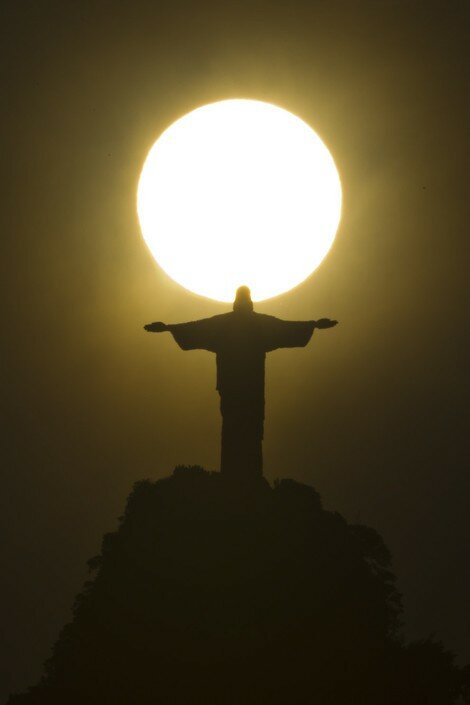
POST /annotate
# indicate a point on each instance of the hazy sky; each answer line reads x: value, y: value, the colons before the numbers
x: 372, y: 413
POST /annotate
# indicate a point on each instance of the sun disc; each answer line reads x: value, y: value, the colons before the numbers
x: 239, y: 192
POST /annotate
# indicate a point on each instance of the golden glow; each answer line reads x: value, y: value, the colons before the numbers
x: 239, y: 192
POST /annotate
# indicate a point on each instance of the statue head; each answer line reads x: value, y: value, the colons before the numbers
x: 243, y: 300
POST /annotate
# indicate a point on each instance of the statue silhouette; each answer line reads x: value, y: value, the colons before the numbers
x: 241, y: 340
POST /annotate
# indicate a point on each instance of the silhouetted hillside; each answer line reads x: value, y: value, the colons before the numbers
x: 210, y: 594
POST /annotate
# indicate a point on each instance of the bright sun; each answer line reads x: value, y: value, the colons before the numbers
x: 239, y: 192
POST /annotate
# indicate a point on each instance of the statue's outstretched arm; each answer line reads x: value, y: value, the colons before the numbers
x: 325, y: 323
x: 193, y: 335
x: 157, y: 327
x: 290, y: 334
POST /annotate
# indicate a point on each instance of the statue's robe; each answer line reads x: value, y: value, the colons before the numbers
x: 240, y: 341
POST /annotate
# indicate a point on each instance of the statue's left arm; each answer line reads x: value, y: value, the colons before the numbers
x: 291, y: 334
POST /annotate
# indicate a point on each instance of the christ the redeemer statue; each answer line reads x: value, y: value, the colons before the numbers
x: 240, y: 339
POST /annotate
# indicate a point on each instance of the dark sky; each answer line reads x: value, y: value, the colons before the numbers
x: 372, y: 413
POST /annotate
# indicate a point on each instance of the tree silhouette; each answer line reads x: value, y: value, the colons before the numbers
x: 210, y: 593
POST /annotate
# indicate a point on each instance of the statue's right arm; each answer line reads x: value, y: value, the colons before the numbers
x: 157, y: 327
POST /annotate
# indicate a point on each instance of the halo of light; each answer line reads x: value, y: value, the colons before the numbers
x: 239, y: 192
